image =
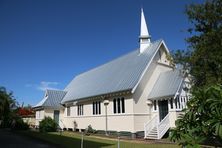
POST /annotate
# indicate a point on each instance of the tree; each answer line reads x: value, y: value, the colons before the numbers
x: 204, y: 54
x: 202, y: 120
x: 7, y: 103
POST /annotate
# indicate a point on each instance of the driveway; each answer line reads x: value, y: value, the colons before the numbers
x: 10, y: 139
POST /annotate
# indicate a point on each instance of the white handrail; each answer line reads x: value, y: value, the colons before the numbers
x: 150, y: 125
x: 163, y: 126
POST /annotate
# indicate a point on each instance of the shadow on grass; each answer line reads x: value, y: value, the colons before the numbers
x: 65, y: 141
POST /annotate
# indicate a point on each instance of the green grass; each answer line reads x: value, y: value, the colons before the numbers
x: 73, y: 140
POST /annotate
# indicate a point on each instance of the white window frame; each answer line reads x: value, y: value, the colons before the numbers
x: 80, y: 111
x: 68, y: 111
x: 119, y: 108
x: 96, y: 107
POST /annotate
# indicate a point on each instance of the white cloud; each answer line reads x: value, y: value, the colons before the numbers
x: 47, y: 85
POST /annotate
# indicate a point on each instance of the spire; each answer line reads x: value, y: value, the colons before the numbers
x: 144, y: 34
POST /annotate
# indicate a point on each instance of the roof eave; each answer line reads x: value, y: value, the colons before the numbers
x: 103, y: 96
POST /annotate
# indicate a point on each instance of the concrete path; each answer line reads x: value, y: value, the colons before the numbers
x: 9, y: 139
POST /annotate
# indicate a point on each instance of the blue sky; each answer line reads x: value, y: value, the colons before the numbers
x: 46, y: 43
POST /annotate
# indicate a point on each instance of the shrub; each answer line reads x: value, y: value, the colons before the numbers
x: 48, y: 125
x: 89, y: 130
x: 19, y: 124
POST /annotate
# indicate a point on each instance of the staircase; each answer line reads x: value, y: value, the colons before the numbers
x: 155, y: 129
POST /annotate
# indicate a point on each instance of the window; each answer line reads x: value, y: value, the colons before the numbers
x: 119, y: 105
x: 114, y: 106
x: 37, y: 114
x: 80, y: 110
x: 177, y: 102
x: 123, y: 105
x: 40, y: 114
x: 96, y: 108
x: 68, y: 111
x: 178, y: 99
x: 171, y: 103
x: 154, y: 105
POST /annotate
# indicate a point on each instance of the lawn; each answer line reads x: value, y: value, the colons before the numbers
x: 73, y: 140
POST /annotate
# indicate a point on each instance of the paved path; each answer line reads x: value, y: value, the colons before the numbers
x: 9, y: 139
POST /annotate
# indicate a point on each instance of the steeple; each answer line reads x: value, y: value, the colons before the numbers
x: 144, y: 37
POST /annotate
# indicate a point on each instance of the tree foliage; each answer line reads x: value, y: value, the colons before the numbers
x: 7, y: 104
x: 202, y: 119
x: 48, y: 125
x: 204, y: 56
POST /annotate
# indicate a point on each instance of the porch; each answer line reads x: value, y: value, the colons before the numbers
x: 165, y: 112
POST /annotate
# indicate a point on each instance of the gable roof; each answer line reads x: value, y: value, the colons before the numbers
x: 121, y: 74
x: 52, y: 99
x: 167, y: 84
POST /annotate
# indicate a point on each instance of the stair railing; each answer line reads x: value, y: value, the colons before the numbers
x: 163, y: 126
x: 150, y: 125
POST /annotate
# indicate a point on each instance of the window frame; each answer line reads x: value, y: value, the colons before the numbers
x: 68, y: 111
x: 119, y: 105
x: 80, y: 111
x: 96, y: 107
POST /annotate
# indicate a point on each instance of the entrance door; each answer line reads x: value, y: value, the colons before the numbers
x: 56, y: 116
x: 163, y: 109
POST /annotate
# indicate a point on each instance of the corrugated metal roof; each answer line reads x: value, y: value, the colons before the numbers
x: 167, y: 84
x: 120, y: 74
x: 52, y: 98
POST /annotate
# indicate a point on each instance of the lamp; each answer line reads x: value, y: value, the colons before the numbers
x: 149, y: 102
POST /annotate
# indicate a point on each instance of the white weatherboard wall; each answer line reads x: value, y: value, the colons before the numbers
x: 49, y: 113
x: 116, y: 122
x: 41, y: 114
x: 137, y: 112
x: 143, y: 112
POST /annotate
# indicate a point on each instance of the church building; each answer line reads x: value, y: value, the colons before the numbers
x: 139, y: 92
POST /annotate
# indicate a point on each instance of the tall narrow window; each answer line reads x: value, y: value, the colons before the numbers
x: 123, y: 105
x: 93, y: 108
x: 118, y: 100
x: 171, y: 103
x: 154, y: 105
x: 80, y: 110
x: 178, y: 99
x: 68, y: 111
x: 176, y: 102
x: 114, y: 106
x: 96, y: 108
x: 99, y: 107
x: 119, y: 105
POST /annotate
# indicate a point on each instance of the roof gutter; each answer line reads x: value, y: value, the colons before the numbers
x: 103, y: 96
